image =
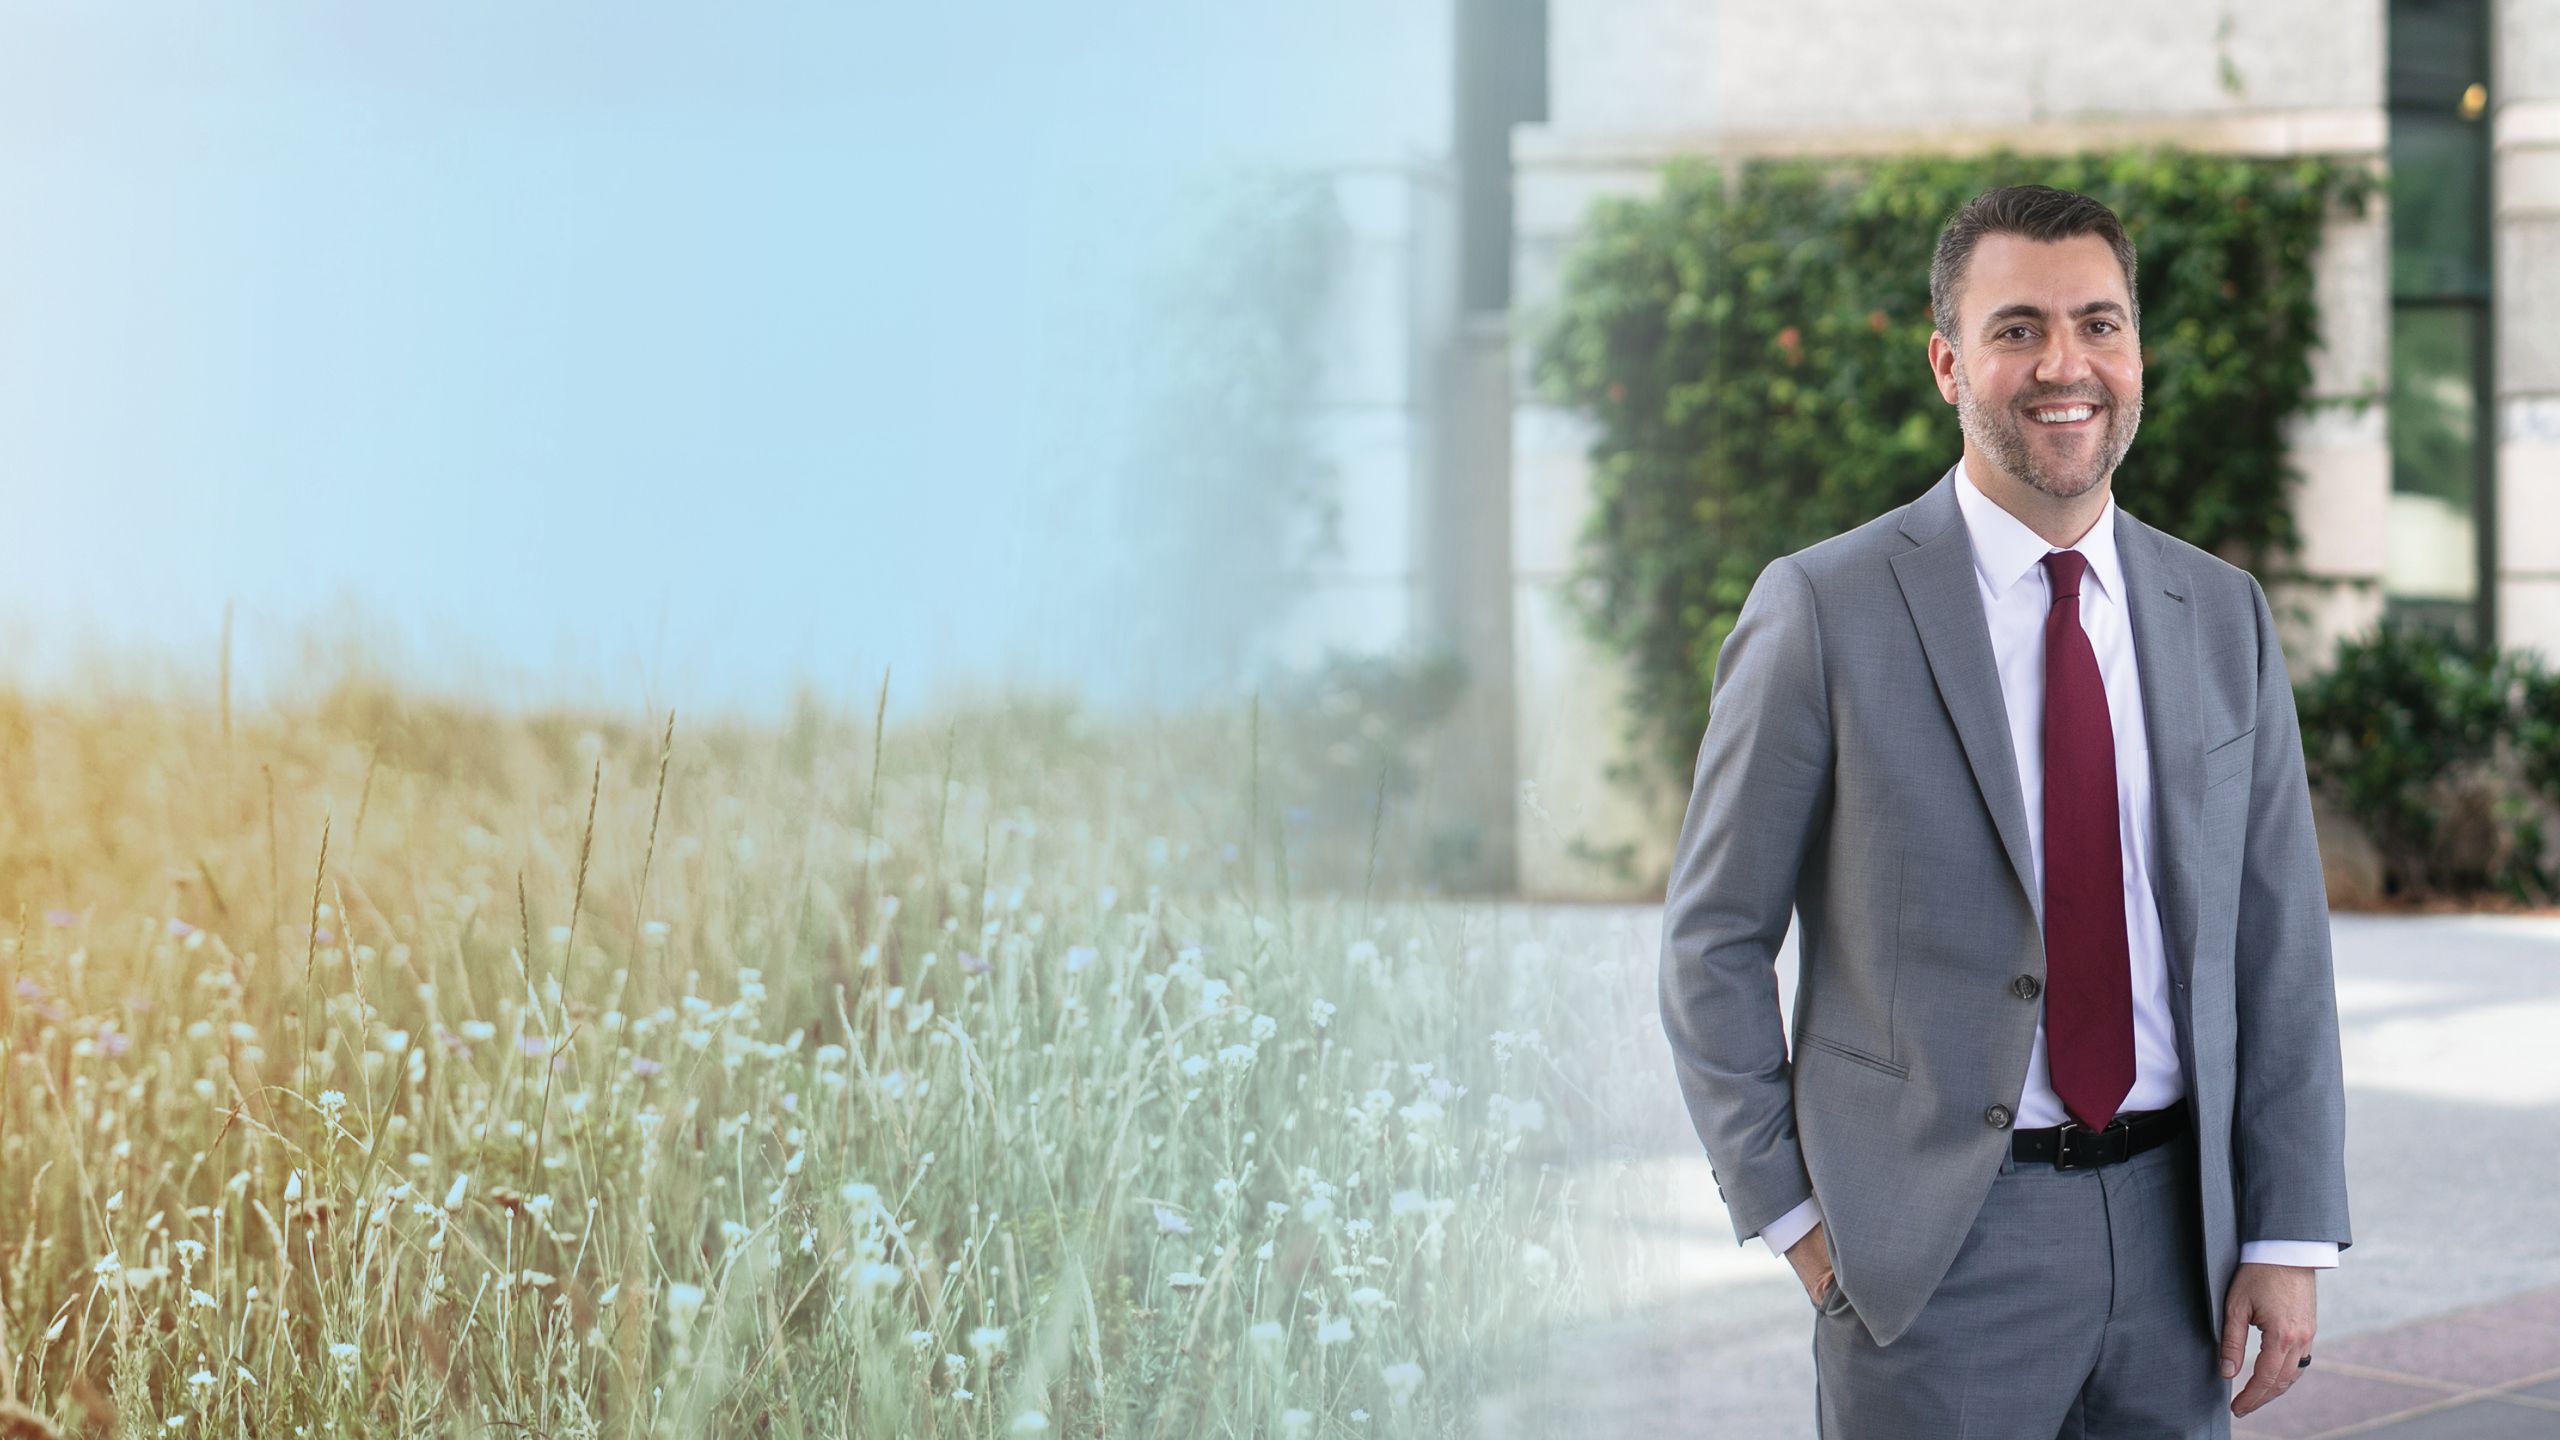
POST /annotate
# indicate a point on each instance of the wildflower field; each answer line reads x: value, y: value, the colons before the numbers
x: 388, y: 1067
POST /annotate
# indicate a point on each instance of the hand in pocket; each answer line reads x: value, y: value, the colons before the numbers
x: 1812, y: 1259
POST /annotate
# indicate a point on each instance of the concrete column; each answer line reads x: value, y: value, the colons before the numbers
x: 1571, y: 696
x: 1467, y: 536
x: 2341, y: 447
x: 2525, y: 114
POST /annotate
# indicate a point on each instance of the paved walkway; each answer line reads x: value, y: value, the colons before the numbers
x: 2443, y: 1319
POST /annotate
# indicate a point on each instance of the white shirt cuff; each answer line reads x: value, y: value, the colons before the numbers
x: 1782, y: 1233
x: 2314, y: 1254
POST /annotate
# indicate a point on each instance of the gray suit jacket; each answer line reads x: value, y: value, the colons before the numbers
x: 1857, y: 769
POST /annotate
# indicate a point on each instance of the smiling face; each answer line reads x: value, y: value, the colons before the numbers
x: 2047, y: 382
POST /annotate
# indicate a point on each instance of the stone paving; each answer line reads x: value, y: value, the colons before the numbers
x: 2443, y: 1319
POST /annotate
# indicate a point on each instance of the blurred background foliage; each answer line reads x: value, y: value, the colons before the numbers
x: 2447, y: 756
x: 1749, y: 345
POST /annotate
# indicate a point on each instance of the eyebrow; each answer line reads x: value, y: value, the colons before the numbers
x: 2023, y: 311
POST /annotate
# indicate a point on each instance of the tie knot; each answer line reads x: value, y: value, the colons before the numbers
x: 2064, y: 568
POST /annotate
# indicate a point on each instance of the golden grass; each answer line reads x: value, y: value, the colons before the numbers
x: 962, y: 1078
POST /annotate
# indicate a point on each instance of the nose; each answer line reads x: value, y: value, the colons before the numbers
x: 2064, y: 360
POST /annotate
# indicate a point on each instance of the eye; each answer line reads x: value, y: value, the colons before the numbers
x: 2103, y: 327
x: 2013, y: 331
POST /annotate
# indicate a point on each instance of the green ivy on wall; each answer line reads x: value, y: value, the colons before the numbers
x: 1753, y: 352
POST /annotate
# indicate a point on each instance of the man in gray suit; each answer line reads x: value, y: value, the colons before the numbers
x: 2064, y: 1117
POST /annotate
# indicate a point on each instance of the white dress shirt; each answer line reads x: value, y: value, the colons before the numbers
x: 2008, y: 568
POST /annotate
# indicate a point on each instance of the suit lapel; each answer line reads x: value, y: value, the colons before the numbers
x: 2164, y: 647
x: 1938, y: 585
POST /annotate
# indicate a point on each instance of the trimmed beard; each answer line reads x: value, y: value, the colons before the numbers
x: 2003, y: 437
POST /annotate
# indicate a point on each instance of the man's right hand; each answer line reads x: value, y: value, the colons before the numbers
x: 1812, y: 1260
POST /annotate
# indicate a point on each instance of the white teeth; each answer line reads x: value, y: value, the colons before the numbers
x: 2066, y: 416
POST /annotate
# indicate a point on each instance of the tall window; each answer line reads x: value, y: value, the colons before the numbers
x: 2442, y: 444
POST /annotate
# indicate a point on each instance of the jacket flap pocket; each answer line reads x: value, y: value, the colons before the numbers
x: 2229, y: 758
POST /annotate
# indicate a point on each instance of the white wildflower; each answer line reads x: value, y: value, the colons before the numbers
x: 1403, y: 1379
x: 683, y: 1303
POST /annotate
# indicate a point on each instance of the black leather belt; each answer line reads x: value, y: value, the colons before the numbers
x: 2074, y: 1146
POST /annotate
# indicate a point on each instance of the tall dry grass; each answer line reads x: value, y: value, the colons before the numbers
x: 386, y: 1066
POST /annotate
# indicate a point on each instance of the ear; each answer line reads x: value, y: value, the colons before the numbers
x: 1942, y: 364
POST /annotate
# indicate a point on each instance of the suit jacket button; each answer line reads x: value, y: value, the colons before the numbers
x: 1997, y: 1117
x: 2025, y: 987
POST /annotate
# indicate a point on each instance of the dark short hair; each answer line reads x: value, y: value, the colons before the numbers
x: 2035, y: 212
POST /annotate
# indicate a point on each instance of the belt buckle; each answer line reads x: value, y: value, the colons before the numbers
x: 2062, y: 1143
x: 2120, y: 1129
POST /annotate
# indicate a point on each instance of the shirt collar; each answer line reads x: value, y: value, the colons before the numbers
x: 2004, y: 549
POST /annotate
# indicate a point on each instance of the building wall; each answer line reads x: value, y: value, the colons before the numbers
x: 1374, y: 120
x: 1637, y: 81
x: 1390, y: 314
x: 2525, y: 114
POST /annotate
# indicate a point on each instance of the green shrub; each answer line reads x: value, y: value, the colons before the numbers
x: 1753, y: 356
x: 2447, y: 755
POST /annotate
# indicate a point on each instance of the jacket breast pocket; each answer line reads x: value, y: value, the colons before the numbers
x: 2229, y: 758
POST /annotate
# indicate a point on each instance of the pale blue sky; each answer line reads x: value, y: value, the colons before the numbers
x: 673, y: 351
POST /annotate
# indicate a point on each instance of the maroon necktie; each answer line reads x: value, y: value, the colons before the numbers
x: 2088, y: 995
